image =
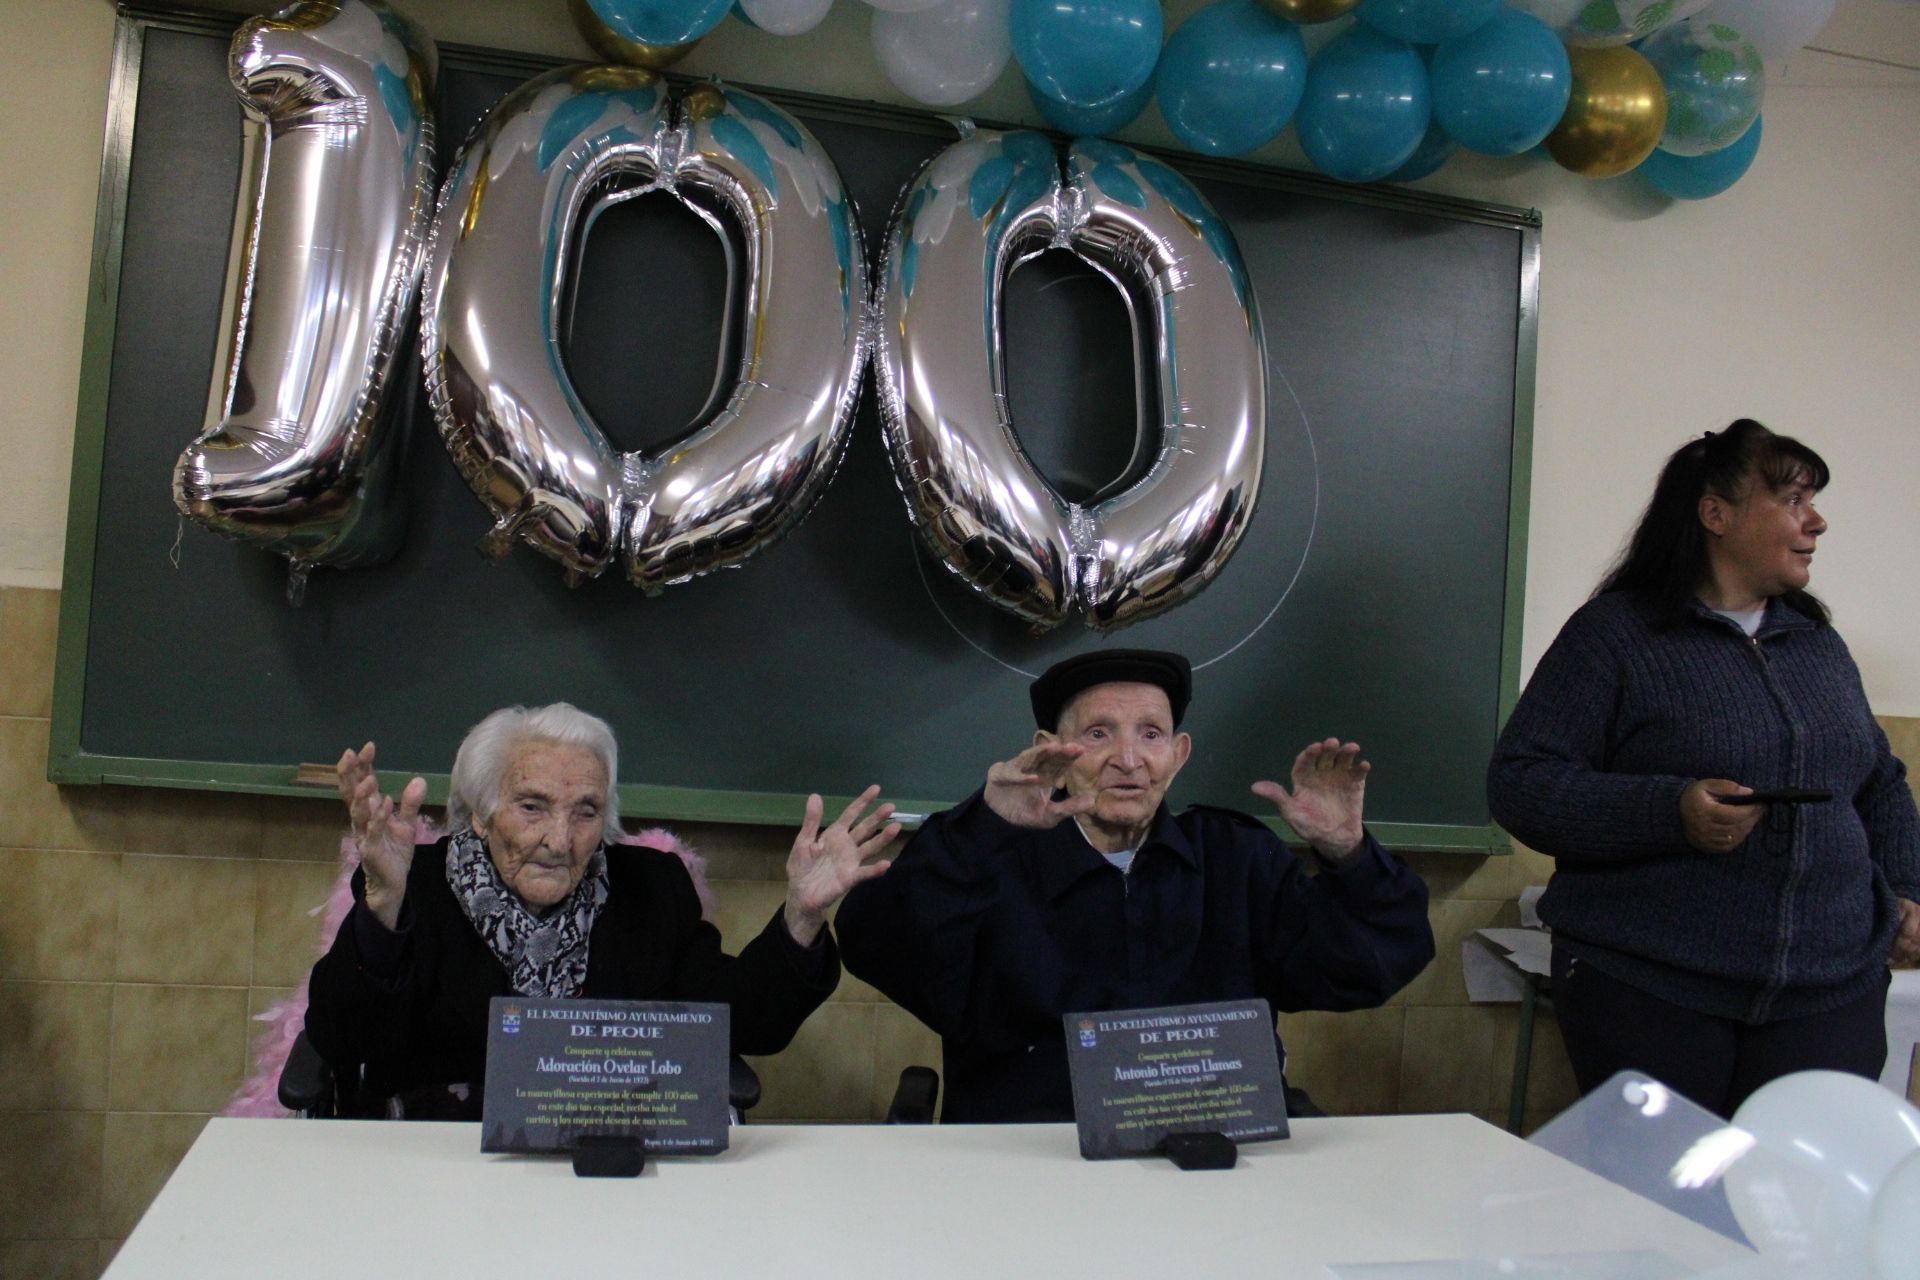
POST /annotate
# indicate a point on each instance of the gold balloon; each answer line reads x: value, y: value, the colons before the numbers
x: 616, y: 48
x: 1310, y: 11
x: 1615, y: 115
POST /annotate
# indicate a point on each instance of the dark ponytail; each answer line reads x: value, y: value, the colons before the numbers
x: 1665, y: 561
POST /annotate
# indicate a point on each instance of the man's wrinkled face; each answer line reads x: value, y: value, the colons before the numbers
x: 1129, y: 752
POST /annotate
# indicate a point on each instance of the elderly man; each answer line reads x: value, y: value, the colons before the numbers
x: 1067, y: 885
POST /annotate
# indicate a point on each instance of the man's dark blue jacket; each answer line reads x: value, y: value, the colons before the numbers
x: 989, y: 933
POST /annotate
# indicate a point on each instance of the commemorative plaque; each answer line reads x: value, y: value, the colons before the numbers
x: 559, y: 1071
x: 1142, y: 1074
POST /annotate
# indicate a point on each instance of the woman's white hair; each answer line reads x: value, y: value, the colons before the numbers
x: 487, y: 752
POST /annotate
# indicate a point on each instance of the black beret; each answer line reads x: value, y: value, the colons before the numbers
x: 1059, y: 684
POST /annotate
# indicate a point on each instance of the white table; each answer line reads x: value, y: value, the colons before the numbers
x: 343, y: 1200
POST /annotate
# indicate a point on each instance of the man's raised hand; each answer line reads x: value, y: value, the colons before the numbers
x: 1021, y: 789
x: 1326, y: 805
x: 383, y: 830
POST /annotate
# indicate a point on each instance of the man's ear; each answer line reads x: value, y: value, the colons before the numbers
x: 1042, y: 738
x: 1182, y: 748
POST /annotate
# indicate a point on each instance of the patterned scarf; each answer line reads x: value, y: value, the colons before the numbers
x: 543, y: 955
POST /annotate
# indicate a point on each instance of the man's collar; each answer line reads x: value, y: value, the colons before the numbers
x: 1075, y: 855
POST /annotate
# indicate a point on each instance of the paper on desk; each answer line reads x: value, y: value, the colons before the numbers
x: 1530, y: 905
x: 1495, y: 961
x: 1903, y: 1028
x: 1630, y: 1264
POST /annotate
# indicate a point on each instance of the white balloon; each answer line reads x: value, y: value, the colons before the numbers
x: 1777, y: 28
x: 1829, y: 1141
x: 785, y: 17
x: 945, y: 55
x: 1895, y: 1233
x: 904, y: 6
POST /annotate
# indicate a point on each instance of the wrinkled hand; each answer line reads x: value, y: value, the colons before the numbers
x: 1329, y: 794
x: 1021, y: 789
x: 382, y: 829
x: 825, y: 864
x: 1906, y: 943
x: 1713, y: 827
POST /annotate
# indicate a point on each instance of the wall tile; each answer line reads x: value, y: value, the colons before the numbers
x: 1550, y: 1084
x: 109, y: 1249
x: 900, y: 1040
x: 185, y: 920
x: 29, y: 627
x: 50, y: 1179
x: 286, y: 935
x: 142, y: 1152
x: 302, y: 829
x: 39, y: 815
x: 732, y: 852
x: 742, y: 909
x: 51, y: 1259
x: 57, y: 915
x: 826, y: 1073
x: 1349, y: 1063
x: 1446, y: 1058
x: 1903, y: 735
x: 52, y: 1041
x: 1465, y: 875
x: 176, y: 1048
x: 1454, y: 921
x: 258, y: 1000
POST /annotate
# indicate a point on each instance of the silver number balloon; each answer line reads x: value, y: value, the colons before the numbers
x: 301, y: 454
x: 977, y: 211
x: 553, y: 153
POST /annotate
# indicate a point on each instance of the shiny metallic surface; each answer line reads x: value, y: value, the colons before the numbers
x: 975, y: 213
x: 505, y: 242
x: 301, y: 454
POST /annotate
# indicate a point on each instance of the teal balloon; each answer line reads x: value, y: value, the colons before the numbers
x: 1715, y: 81
x: 1503, y: 86
x: 1231, y: 77
x: 1698, y: 177
x: 1435, y: 149
x: 660, y: 22
x: 1086, y: 53
x: 1096, y: 122
x: 1425, y: 21
x: 1366, y: 107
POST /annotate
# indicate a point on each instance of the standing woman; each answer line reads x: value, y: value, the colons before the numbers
x: 1709, y: 941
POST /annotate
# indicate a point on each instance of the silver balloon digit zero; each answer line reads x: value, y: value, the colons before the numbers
x: 504, y: 246
x: 299, y: 455
x: 978, y: 210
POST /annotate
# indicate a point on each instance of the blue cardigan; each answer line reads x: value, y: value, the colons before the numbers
x: 1621, y: 715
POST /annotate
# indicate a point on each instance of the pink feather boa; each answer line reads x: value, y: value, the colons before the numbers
x: 258, y: 1094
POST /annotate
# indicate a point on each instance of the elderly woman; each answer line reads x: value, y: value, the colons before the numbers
x: 1702, y: 935
x: 527, y: 896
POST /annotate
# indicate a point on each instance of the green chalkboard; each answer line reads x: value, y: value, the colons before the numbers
x: 1377, y: 596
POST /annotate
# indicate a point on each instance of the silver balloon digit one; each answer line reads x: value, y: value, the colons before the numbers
x: 504, y: 246
x: 301, y: 454
x: 978, y: 210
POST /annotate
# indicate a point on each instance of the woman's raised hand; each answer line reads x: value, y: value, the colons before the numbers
x: 1021, y: 789
x: 383, y: 830
x: 824, y: 864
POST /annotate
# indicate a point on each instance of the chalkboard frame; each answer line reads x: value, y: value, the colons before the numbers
x: 70, y: 764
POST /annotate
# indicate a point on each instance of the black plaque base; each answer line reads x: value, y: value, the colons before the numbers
x: 607, y: 1156
x: 1200, y: 1150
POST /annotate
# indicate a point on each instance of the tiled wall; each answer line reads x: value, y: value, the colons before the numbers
x: 139, y: 930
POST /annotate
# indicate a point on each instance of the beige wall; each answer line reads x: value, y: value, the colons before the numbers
x: 140, y: 928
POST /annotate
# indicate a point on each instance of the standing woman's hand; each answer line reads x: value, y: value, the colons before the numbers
x: 1906, y: 943
x: 383, y: 830
x: 1715, y: 827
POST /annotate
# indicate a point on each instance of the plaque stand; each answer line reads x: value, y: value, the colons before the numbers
x: 1206, y: 1150
x: 606, y: 1155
